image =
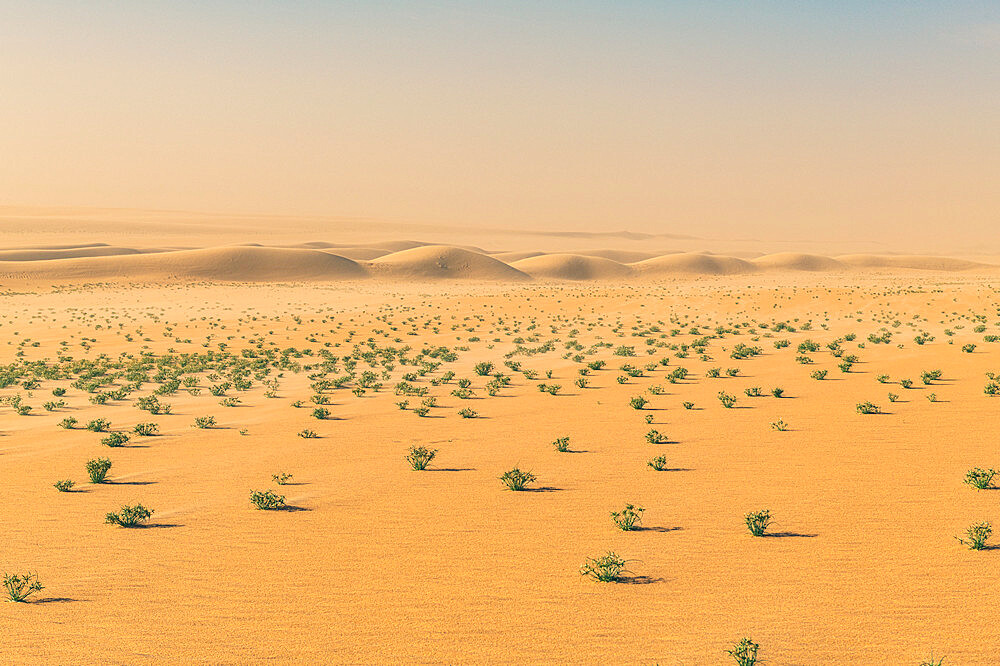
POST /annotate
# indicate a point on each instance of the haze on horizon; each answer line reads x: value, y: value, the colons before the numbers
x: 823, y: 119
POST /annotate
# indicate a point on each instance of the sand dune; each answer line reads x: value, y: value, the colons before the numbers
x: 622, y: 256
x: 793, y: 261
x: 511, y: 257
x: 222, y: 263
x: 443, y: 261
x: 691, y: 263
x: 359, y: 253
x: 572, y: 267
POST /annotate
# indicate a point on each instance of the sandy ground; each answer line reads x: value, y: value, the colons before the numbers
x: 383, y: 564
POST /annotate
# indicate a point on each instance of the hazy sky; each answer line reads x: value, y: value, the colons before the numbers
x: 770, y: 118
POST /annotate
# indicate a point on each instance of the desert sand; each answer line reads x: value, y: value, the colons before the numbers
x: 371, y: 561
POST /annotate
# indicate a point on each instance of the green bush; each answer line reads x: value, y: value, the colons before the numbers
x: 98, y: 425
x: 976, y: 536
x: 97, y: 469
x: 467, y: 413
x: 727, y: 400
x: 115, y: 439
x: 146, y: 429
x: 281, y: 478
x: 980, y: 478
x: 128, y: 516
x: 516, y: 479
x: 266, y: 500
x: 68, y: 423
x: 627, y: 518
x: 420, y: 456
x: 21, y: 586
x: 64, y: 485
x: 744, y: 652
x: 321, y: 413
x: 607, y: 569
x: 867, y: 408
x: 757, y: 522
x: 659, y: 463
x: 656, y: 437
x: 561, y: 444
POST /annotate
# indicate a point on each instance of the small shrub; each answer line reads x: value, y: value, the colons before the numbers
x: 307, y: 434
x: 321, y: 413
x: 64, y: 485
x: 484, y: 368
x: 420, y: 456
x: 932, y: 397
x: 638, y: 402
x: 98, y: 425
x: 21, y: 586
x: 515, y: 479
x: 266, y: 500
x: 659, y: 463
x: 969, y: 348
x: 146, y: 429
x: 204, y: 422
x: 606, y: 569
x: 980, y: 478
x: 467, y: 413
x: 128, y: 516
x: 727, y: 400
x: 68, y: 423
x: 744, y: 652
x: 97, y: 469
x: 867, y: 408
x: 819, y: 374
x: 976, y: 536
x: 688, y: 405
x: 281, y: 479
x: 627, y: 518
x: 115, y: 439
x: 656, y: 437
x: 777, y: 392
x: 561, y: 444
x: 422, y: 410
x: 780, y: 425
x: 758, y: 522
x: 893, y: 397
x: 906, y: 383
x: 882, y: 379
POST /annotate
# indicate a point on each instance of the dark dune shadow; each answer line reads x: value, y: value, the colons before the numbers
x: 130, y: 483
x: 156, y: 526
x: 543, y: 489
x: 676, y: 469
x: 450, y: 469
x: 55, y: 600
x: 290, y: 508
x: 788, y: 535
x: 657, y: 529
x: 296, y: 483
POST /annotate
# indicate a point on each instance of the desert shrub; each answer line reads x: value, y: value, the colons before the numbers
x: 932, y: 397
x: 281, y: 478
x: 307, y: 434
x: 146, y: 429
x: 516, y: 479
x: 753, y: 392
x: 422, y: 410
x: 928, y: 376
x: 638, y: 402
x: 21, y: 586
x: 713, y: 372
x: 98, y: 425
x: 656, y: 437
x: 732, y: 372
x: 483, y: 368
x: 128, y: 516
x: 152, y: 405
x: 97, y: 469
x: 726, y: 399
x: 777, y: 392
x: 757, y: 522
x: 23, y: 410
x: 403, y: 404
x: 581, y: 382
x: 321, y: 413
x: 59, y: 392
x: 744, y: 653
x: 819, y: 374
x: 64, y: 485
x: 980, y: 478
x: 968, y: 348
x: 606, y: 569
x: 976, y: 536
x: 561, y: 444
x: 780, y: 425
x: 992, y: 388
x: 467, y: 413
x: 204, y: 422
x: 622, y: 379
x: 845, y: 366
x: 115, y: 439
x: 882, y: 379
x: 893, y: 397
x: 906, y: 383
x: 867, y: 408
x: 659, y: 463
x: 68, y: 423
x: 627, y: 518
x: 266, y: 500
x: 420, y: 456
x: 687, y: 404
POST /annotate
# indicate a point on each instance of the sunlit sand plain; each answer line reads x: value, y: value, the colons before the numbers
x: 371, y: 561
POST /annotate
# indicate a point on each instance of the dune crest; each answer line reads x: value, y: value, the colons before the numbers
x: 572, y: 267
x: 443, y: 261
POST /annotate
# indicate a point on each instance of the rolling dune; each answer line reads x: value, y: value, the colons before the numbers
x: 794, y: 261
x: 572, y: 267
x: 691, y: 263
x: 443, y: 261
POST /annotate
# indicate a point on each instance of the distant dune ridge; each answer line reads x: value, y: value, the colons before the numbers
x: 416, y: 260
